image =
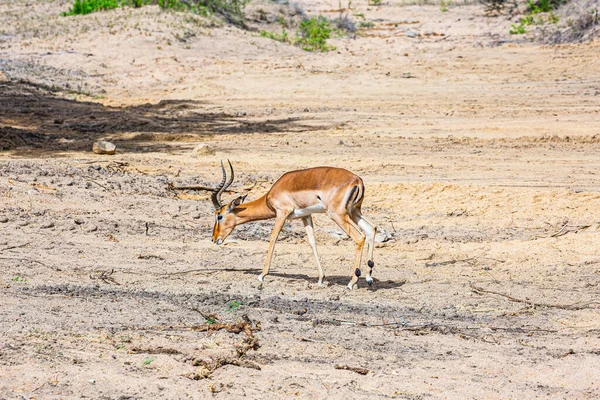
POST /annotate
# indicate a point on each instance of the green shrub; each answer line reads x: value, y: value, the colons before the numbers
x: 82, y: 7
x: 282, y: 37
x: 534, y: 17
x: 314, y: 33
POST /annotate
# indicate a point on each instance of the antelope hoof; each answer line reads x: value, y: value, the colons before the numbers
x: 352, y: 286
x: 261, y: 277
x: 369, y: 280
x: 321, y: 284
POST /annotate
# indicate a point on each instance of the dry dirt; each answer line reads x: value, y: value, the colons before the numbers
x: 481, y: 161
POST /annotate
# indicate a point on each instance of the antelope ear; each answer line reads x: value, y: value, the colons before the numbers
x: 237, y: 202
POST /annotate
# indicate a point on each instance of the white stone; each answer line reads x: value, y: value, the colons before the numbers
x: 104, y: 147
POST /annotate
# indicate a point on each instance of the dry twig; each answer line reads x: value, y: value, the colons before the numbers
x: 358, y: 370
x: 106, y: 277
x: 15, y: 247
x: 574, y: 306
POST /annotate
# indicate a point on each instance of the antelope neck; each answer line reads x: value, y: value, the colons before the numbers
x: 253, y: 211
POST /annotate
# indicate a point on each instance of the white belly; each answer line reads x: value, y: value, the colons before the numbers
x: 305, y: 212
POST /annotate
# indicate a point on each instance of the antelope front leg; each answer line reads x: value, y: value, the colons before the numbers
x: 279, y: 222
x: 310, y: 232
x: 350, y: 227
x: 370, y: 230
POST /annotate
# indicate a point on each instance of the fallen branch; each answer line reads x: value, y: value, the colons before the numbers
x: 106, y: 277
x: 207, y: 367
x: 157, y: 350
x: 171, y: 186
x: 358, y: 370
x: 15, y: 247
x: 573, y: 307
x: 566, y: 228
x: 31, y: 261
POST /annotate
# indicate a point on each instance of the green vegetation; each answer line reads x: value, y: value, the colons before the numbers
x: 148, y: 361
x: 311, y: 36
x: 234, y: 305
x: 282, y: 37
x: 82, y: 7
x: 231, y: 10
x: 534, y: 15
x: 314, y: 33
x: 374, y: 2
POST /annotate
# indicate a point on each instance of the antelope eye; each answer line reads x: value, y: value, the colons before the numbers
x: 219, y: 217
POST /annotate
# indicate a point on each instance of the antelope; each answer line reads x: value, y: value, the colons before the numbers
x: 297, y: 195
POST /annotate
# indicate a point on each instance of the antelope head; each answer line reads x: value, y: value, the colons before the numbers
x: 225, y: 219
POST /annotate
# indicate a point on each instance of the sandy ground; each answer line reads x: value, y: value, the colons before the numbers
x: 480, y: 156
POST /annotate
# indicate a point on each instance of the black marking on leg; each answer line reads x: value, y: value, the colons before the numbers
x: 357, y: 272
x: 369, y: 282
x: 319, y: 197
x: 371, y: 264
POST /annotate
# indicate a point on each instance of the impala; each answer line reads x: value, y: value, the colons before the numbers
x: 297, y: 195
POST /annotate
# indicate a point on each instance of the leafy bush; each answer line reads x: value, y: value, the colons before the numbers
x: 282, y: 37
x: 534, y: 17
x: 82, y: 7
x: 231, y: 10
x: 314, y: 33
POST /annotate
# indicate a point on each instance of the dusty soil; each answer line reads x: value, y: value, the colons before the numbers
x: 480, y: 158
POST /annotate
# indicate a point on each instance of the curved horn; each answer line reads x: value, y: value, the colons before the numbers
x: 224, y: 185
x: 216, y: 195
x: 230, y: 181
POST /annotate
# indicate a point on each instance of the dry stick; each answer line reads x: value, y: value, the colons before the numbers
x: 15, y: 247
x: 30, y: 260
x: 99, y: 184
x: 358, y: 370
x: 574, y: 306
x: 171, y: 186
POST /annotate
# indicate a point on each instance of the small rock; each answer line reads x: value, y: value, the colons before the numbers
x: 382, y: 236
x: 79, y: 221
x: 59, y: 121
x: 3, y: 220
x: 337, y: 234
x: 104, y: 147
x: 47, y: 225
x: 203, y: 150
x: 411, y: 34
x: 92, y: 228
x: 23, y: 223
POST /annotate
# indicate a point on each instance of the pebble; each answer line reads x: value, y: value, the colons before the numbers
x: 92, y: 228
x: 203, y: 150
x: 382, y: 236
x: 104, y: 147
x: 47, y: 225
x: 3, y: 220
